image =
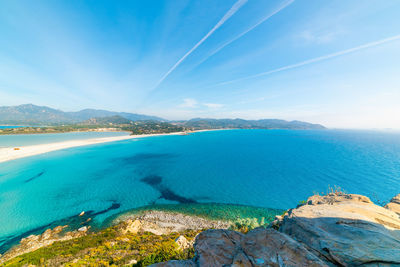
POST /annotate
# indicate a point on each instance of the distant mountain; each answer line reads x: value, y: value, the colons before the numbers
x: 30, y: 114
x: 250, y: 124
x: 86, y: 114
x: 40, y: 115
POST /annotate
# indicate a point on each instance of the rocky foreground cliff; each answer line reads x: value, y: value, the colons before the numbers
x: 332, y: 230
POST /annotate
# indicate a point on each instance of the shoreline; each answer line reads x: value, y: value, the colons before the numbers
x: 10, y: 153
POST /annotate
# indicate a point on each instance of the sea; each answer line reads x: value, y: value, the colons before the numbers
x: 271, y: 170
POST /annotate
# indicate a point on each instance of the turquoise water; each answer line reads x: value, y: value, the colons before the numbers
x: 16, y: 140
x: 9, y: 126
x: 263, y: 168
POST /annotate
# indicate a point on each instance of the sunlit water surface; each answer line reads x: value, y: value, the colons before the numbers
x: 262, y: 168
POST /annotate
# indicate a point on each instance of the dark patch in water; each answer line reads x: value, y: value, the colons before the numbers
x: 138, y: 158
x: 73, y: 222
x: 169, y: 195
x: 152, y: 180
x: 114, y: 206
x: 155, y: 181
x: 34, y: 177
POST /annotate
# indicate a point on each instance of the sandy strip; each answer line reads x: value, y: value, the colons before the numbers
x: 9, y: 153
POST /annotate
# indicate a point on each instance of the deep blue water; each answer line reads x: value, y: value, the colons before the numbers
x: 266, y: 168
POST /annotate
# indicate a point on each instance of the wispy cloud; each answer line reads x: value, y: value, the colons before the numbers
x: 213, y: 105
x: 310, y: 37
x: 284, y: 5
x: 188, y: 103
x: 318, y: 59
x: 194, y: 104
x: 227, y: 15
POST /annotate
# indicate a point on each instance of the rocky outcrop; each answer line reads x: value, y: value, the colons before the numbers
x: 225, y: 242
x: 346, y: 230
x: 394, y: 204
x: 34, y: 242
x: 333, y: 230
x: 268, y: 247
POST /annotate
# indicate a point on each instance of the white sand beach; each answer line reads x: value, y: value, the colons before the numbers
x: 11, y: 153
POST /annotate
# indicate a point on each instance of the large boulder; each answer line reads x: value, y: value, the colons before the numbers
x: 394, y: 204
x: 332, y: 230
x: 217, y: 247
x: 346, y: 230
x: 268, y: 247
x: 260, y: 247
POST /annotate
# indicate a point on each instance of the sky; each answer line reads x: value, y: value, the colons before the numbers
x: 331, y: 62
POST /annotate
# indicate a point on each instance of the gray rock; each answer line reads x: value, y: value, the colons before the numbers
x: 217, y: 247
x: 346, y: 230
x: 268, y: 247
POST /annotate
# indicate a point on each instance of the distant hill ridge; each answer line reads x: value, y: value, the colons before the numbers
x: 251, y: 124
x: 30, y: 114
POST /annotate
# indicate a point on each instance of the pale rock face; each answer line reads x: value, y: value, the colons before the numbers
x: 34, y: 242
x: 161, y: 223
x: 394, y: 204
x: 132, y: 226
x: 346, y: 230
x: 183, y: 243
x: 83, y: 229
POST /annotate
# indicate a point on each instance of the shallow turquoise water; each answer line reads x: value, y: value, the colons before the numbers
x: 9, y: 126
x: 265, y: 168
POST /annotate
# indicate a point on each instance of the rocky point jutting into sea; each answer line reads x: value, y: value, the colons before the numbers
x: 332, y: 230
x: 336, y: 229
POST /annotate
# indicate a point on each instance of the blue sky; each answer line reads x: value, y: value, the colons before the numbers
x: 331, y: 62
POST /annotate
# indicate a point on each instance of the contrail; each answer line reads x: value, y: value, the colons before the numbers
x: 287, y: 3
x: 314, y: 60
x: 227, y: 15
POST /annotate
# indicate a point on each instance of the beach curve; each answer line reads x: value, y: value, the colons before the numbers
x: 12, y: 153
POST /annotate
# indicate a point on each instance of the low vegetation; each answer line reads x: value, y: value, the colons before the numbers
x: 109, y: 247
x: 114, y: 123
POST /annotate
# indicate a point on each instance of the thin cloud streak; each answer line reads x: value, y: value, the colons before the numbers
x: 227, y: 15
x: 286, y: 4
x: 314, y: 60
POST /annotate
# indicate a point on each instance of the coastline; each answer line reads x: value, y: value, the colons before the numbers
x: 10, y: 153
x: 326, y: 230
